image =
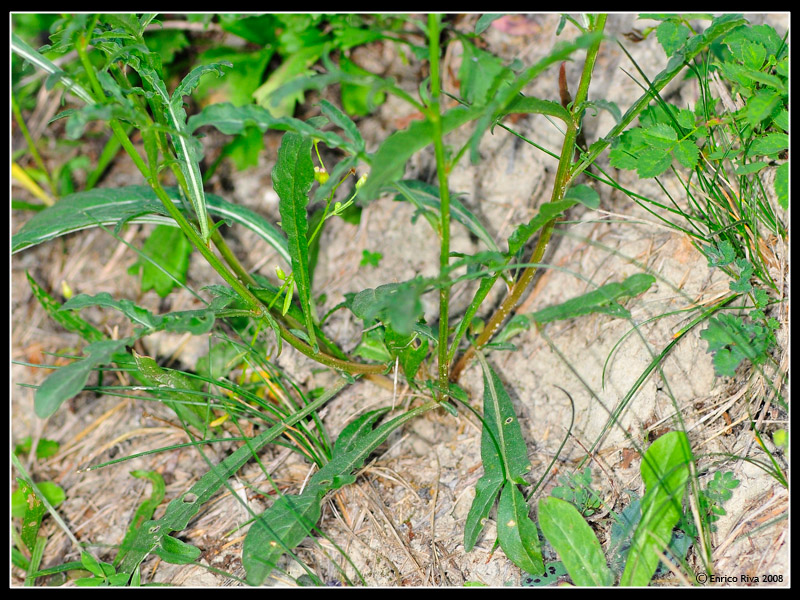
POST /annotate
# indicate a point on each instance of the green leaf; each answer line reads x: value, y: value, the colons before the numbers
x: 179, y: 391
x: 239, y: 83
x: 69, y: 320
x: 280, y: 528
x: 340, y: 119
x: 397, y: 305
x: 767, y: 145
x: 143, y: 512
x: 187, y: 148
x: 292, y: 178
x: 671, y: 36
x: 761, y: 106
x: 392, y: 155
x: 422, y: 194
x: 28, y: 506
x: 573, y: 539
x: 230, y: 120
x: 195, y: 322
x: 177, y: 552
x: 531, y: 104
x: 501, y: 429
x: 357, y: 99
x: 584, y: 194
x: 652, y: 163
x: 486, y: 491
x: 169, y: 249
x: 782, y: 185
x: 112, y: 206
x: 68, y: 381
x: 479, y: 74
x: 687, y: 153
x: 665, y: 472
x: 516, y: 533
x: 357, y: 428
x: 547, y: 212
x: 508, y: 94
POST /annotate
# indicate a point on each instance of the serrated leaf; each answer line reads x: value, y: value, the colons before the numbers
x: 665, y: 472
x: 195, y: 322
x: 135, y: 204
x: 340, y: 119
x: 573, y: 539
x: 67, y: 319
x: 652, y: 163
x: 671, y: 36
x: 769, y: 145
x: 398, y: 305
x: 687, y: 153
x: 659, y: 136
x: 531, y: 104
x: 292, y: 178
x: 230, y: 119
x: 178, y: 390
x: 761, y: 106
x: 479, y: 73
x: 547, y: 212
x: 187, y: 148
x: 516, y: 533
x: 68, y: 381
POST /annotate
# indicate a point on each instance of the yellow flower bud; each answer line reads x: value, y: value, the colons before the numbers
x: 361, y: 181
x: 321, y: 175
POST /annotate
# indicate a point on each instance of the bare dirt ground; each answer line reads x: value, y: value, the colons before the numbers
x: 401, y: 523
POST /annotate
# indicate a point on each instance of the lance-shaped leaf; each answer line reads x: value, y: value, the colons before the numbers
x: 68, y: 319
x: 501, y: 430
x: 665, y: 472
x: 516, y: 533
x: 486, y: 491
x: 278, y: 529
x: 292, y: 178
x: 573, y: 539
x: 135, y: 204
x: 356, y: 429
x: 68, y: 381
x: 195, y: 322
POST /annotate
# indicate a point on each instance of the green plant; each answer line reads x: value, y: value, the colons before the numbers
x: 396, y: 334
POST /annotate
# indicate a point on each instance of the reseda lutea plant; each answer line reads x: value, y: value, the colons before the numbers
x: 122, y: 82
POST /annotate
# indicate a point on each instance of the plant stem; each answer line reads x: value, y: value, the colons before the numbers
x: 444, y: 196
x: 559, y: 188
